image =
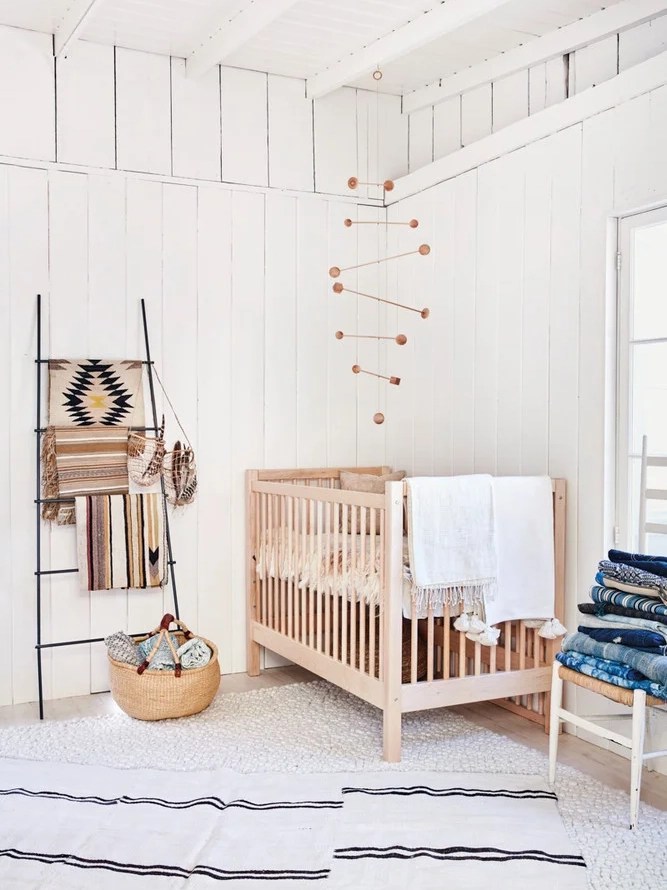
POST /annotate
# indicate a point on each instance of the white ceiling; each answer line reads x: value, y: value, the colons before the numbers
x: 310, y: 36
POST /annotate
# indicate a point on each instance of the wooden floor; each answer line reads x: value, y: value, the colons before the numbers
x: 611, y: 769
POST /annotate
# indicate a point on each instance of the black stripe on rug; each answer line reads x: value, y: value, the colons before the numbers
x: 215, y: 802
x: 480, y: 854
x: 526, y: 794
x: 168, y: 871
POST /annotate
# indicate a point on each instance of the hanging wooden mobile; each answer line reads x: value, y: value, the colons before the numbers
x: 339, y: 288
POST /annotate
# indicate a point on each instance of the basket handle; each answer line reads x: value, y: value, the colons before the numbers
x: 163, y: 633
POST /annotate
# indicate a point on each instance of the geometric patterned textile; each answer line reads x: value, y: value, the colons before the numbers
x: 95, y: 393
x: 120, y: 541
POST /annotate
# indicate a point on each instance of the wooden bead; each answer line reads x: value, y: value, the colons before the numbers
x: 339, y: 335
x: 334, y: 271
x: 413, y: 223
x: 356, y: 369
x: 395, y: 380
x: 424, y: 249
x: 388, y: 185
x: 378, y: 418
x: 347, y: 222
x: 338, y: 288
x: 425, y: 313
x: 352, y: 182
x: 401, y: 339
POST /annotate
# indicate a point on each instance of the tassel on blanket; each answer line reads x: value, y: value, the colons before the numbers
x: 477, y: 630
x: 62, y: 513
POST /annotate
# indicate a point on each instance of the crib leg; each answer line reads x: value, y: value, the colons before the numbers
x: 391, y: 729
x: 252, y: 658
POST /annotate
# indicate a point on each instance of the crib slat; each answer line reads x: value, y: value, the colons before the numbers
x: 478, y: 659
x: 508, y: 645
x: 522, y: 646
x: 383, y: 539
x: 318, y: 590
x: 414, y: 627
x: 462, y: 654
x: 430, y: 648
x: 336, y: 593
x: 311, y: 593
x: 327, y: 594
x: 363, y: 528
x: 446, y: 655
x: 290, y: 575
x: 492, y: 659
x: 303, y: 555
x: 259, y: 542
x: 372, y: 606
x: 353, y: 599
x: 267, y: 562
x: 344, y: 617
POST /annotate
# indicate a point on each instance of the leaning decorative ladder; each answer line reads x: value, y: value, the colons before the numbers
x: 39, y: 500
x: 325, y: 625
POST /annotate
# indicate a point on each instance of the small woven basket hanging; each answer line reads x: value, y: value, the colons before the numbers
x: 180, y: 475
x: 145, y: 457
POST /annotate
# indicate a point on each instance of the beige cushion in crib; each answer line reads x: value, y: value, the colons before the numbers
x: 371, y: 484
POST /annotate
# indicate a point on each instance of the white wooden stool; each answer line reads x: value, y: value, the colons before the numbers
x: 637, y: 699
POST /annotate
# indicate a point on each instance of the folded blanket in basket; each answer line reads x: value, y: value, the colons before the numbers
x: 602, y: 669
x: 120, y: 541
x: 591, y: 617
x: 451, y: 538
x: 647, y: 604
x: 646, y: 640
x: 645, y: 582
x: 194, y: 653
x: 163, y: 660
x: 655, y: 564
x: 653, y: 667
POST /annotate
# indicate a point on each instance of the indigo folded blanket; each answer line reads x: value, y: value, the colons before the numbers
x: 591, y: 617
x: 645, y: 640
x: 655, y: 564
x: 653, y: 667
x: 645, y: 604
x: 120, y: 541
x: 601, y: 609
x: 601, y: 669
x: 633, y: 578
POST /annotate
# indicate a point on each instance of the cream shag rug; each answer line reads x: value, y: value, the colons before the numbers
x: 315, y: 727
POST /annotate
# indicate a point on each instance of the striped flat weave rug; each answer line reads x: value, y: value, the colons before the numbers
x: 120, y: 541
x: 81, y: 461
x: 76, y: 827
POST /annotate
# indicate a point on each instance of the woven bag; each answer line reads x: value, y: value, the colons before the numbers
x: 145, y: 455
x: 163, y: 695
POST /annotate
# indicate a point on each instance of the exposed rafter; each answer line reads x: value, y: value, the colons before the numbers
x: 71, y: 25
x: 215, y: 46
x: 633, y: 82
x: 428, y: 27
x: 567, y: 39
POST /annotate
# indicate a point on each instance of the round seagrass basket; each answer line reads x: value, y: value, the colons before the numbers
x: 163, y: 695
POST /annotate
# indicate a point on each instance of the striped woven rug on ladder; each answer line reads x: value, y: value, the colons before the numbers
x: 70, y: 826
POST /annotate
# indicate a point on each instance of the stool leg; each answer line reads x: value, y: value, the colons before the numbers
x: 554, y: 723
x: 650, y: 738
x: 638, y: 727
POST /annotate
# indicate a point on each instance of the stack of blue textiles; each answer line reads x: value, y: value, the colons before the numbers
x: 622, y: 633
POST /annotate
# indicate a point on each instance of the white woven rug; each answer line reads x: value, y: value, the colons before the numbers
x: 315, y: 727
x: 73, y: 827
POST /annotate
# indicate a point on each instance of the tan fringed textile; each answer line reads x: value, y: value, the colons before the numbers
x: 120, y: 541
x: 82, y: 461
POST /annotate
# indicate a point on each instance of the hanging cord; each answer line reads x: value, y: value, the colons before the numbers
x: 173, y: 410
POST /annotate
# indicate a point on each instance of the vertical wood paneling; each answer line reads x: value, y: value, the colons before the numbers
x: 510, y: 99
x: 447, y: 127
x: 244, y: 126
x: 144, y: 281
x: 638, y: 44
x: 421, y: 138
x: 312, y: 331
x: 281, y: 323
x: 27, y: 99
x: 658, y: 142
x: 476, y: 114
x: 6, y: 604
x: 69, y: 316
x: 107, y: 307
x: 86, y: 105
x: 335, y: 141
x: 180, y: 378
x: 465, y: 313
x: 143, y: 111
x: 632, y: 140
x: 216, y: 512
x: 593, y: 64
x: 510, y: 173
x: 196, y: 124
x: 291, y: 162
x: 392, y: 133
x: 535, y: 319
x: 247, y: 357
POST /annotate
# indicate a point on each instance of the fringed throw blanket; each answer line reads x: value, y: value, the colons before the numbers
x: 95, y: 393
x: 451, y: 538
x: 82, y: 462
x: 120, y: 541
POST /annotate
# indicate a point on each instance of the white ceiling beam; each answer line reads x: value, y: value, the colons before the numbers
x: 214, y: 47
x: 633, y: 82
x: 567, y: 39
x: 447, y: 17
x: 72, y: 23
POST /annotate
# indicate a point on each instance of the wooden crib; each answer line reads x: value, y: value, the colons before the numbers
x: 330, y: 599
